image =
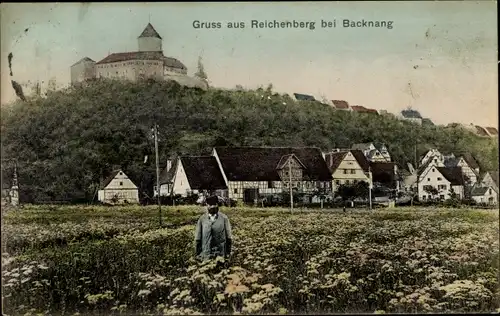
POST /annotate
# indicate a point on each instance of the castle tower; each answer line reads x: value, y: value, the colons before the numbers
x: 149, y: 40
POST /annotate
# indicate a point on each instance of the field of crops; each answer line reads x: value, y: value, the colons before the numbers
x: 80, y: 260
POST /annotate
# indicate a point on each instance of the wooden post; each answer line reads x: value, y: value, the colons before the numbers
x: 291, y: 190
x: 157, y: 172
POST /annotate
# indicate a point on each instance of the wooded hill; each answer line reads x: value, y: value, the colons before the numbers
x: 69, y: 141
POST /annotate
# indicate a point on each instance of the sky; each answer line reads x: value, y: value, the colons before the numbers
x: 439, y: 58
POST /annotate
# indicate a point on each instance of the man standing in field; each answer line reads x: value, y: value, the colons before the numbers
x: 213, y: 235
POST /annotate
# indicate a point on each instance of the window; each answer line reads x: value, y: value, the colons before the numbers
x: 337, y: 182
x: 345, y: 171
x: 121, y: 183
x: 439, y: 178
x: 433, y: 170
x: 424, y: 197
x: 347, y: 182
x: 120, y: 173
x: 442, y: 187
x: 489, y: 191
x: 353, y: 171
x: 270, y: 185
x: 235, y: 191
x: 428, y: 179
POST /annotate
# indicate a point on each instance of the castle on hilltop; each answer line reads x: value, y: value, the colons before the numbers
x: 147, y: 62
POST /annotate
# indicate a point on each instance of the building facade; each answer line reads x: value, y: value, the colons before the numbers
x: 118, y: 189
x: 147, y: 62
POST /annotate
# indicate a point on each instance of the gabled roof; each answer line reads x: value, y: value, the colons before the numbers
x: 479, y: 191
x: 304, y: 97
x: 362, y: 109
x: 481, y: 131
x: 150, y: 31
x: 284, y: 159
x: 203, y: 173
x: 167, y: 176
x: 383, y: 172
x: 340, y: 104
x: 494, y: 176
x: 157, y: 56
x: 411, y: 114
x: 361, y: 159
x: 493, y: 131
x: 451, y: 162
x: 333, y: 160
x: 259, y: 163
x: 111, y: 176
x: 118, y: 57
x: 470, y: 160
x: 83, y: 60
x: 453, y: 174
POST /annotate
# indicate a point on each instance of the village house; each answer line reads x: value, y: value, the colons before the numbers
x: 118, y: 189
x: 192, y: 175
x: 345, y: 169
x: 304, y: 97
x: 362, y: 109
x: 372, y: 153
x: 490, y: 179
x: 492, y: 132
x: 469, y: 165
x: 253, y: 172
x: 412, y: 116
x: 341, y: 105
x: 431, y: 154
x: 485, y: 195
x: 441, y: 180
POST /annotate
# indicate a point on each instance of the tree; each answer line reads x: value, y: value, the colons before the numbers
x: 361, y: 189
x: 432, y: 191
x: 201, y: 70
x: 346, y: 192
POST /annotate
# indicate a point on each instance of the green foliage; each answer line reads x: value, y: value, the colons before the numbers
x: 68, y: 142
x: 114, y: 262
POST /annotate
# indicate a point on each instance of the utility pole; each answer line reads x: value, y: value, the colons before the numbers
x: 370, y: 185
x: 157, y: 172
x: 291, y: 190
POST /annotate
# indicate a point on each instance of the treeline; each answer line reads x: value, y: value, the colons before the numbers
x: 69, y: 141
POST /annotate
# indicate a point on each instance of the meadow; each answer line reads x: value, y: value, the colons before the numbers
x: 116, y: 260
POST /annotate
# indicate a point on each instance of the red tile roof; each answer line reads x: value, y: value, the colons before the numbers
x: 362, y: 109
x: 340, y: 104
x: 119, y: 57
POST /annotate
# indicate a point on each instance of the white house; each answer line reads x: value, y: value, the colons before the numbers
x: 490, y: 178
x: 444, y: 180
x: 485, y: 195
x: 372, y: 153
x: 193, y: 175
x: 345, y: 169
x: 118, y: 189
x: 432, y: 154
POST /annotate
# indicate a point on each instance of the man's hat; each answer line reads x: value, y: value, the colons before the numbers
x: 212, y: 200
